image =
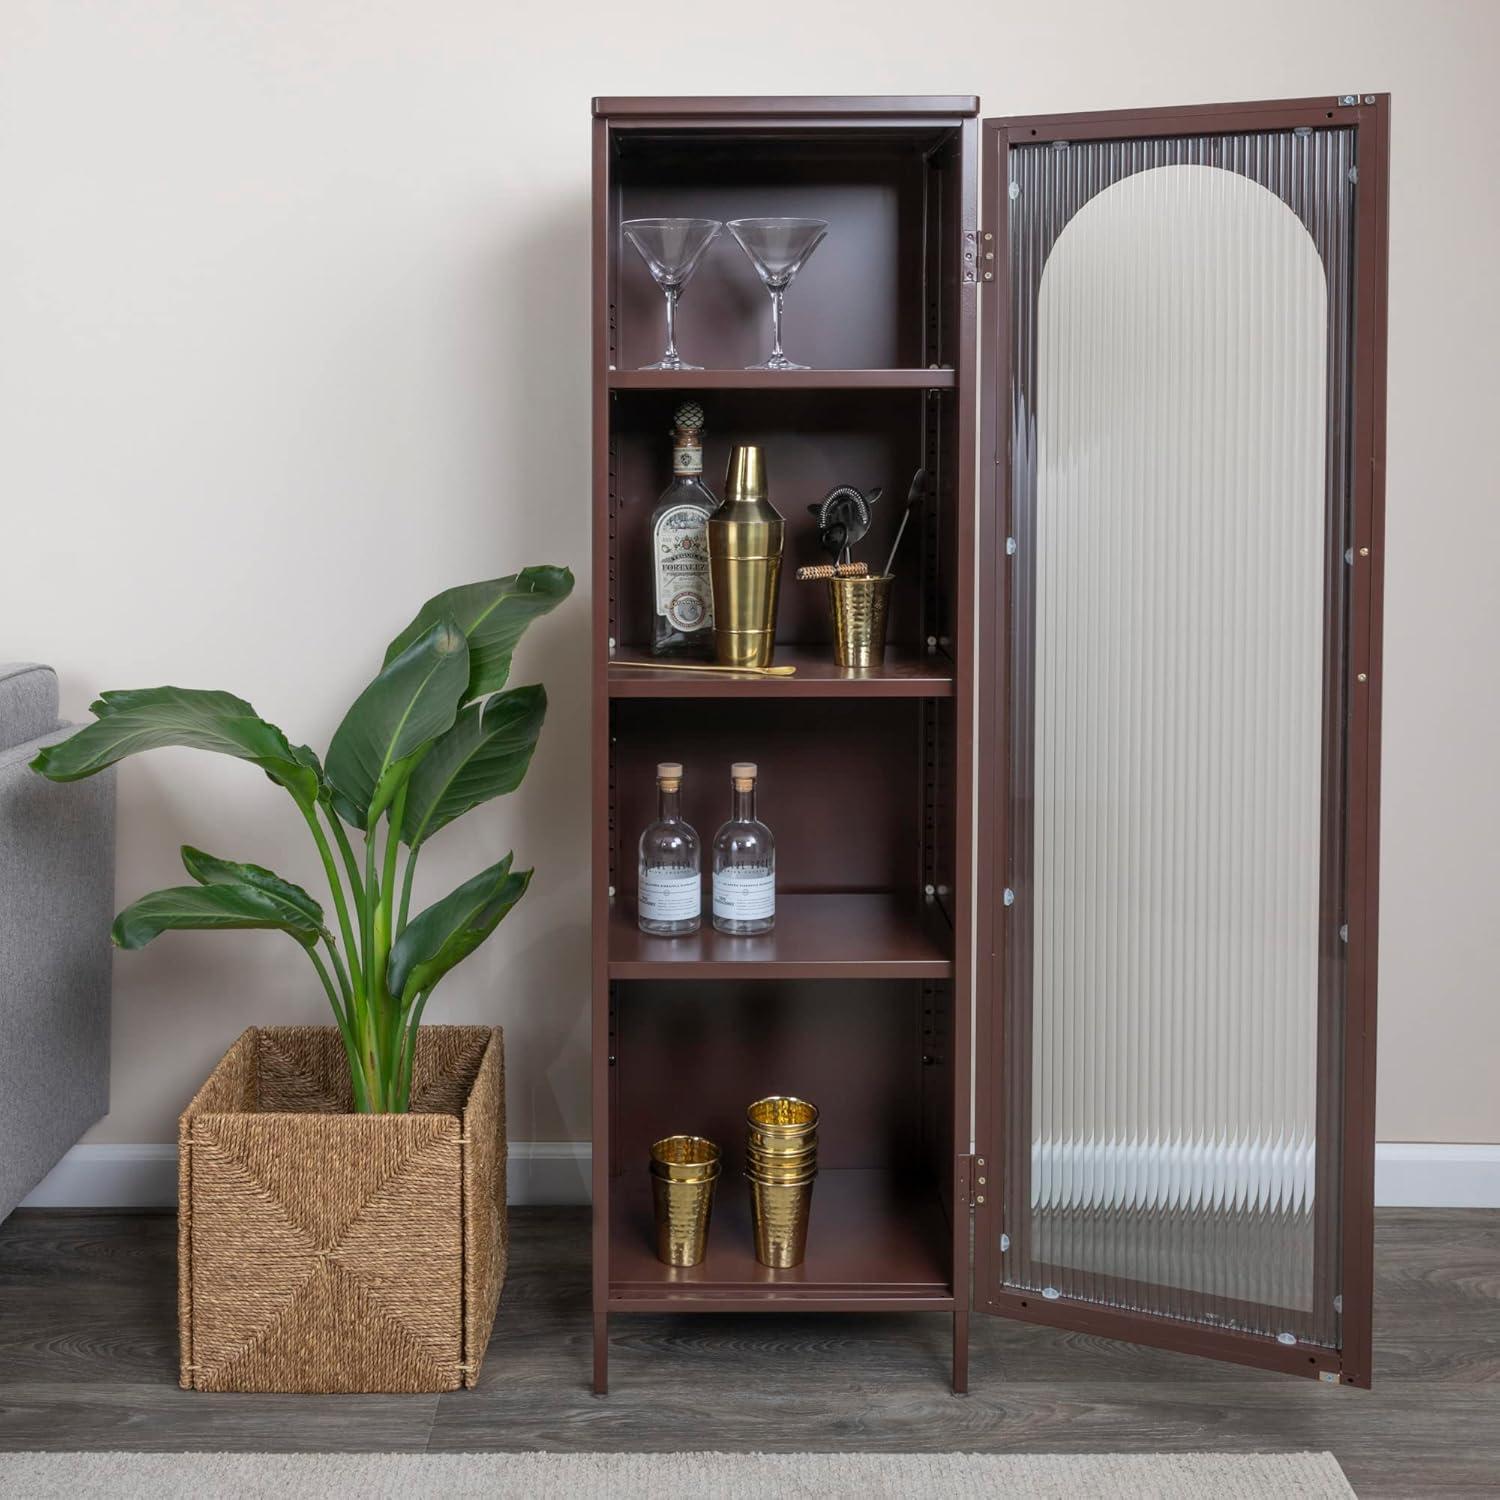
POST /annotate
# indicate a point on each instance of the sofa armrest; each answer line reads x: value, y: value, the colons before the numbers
x: 28, y: 702
x: 57, y: 879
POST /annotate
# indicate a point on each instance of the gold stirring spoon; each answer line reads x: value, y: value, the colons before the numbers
x: 683, y: 666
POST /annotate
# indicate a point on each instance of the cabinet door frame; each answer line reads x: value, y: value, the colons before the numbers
x: 1369, y: 116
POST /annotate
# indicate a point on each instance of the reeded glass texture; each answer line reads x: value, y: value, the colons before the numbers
x: 1173, y: 979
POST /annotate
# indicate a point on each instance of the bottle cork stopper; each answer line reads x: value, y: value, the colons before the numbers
x: 669, y: 771
x: 742, y: 770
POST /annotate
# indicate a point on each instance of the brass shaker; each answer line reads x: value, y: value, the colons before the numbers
x: 745, y: 536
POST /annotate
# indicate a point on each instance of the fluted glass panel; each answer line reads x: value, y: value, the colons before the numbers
x: 1171, y: 889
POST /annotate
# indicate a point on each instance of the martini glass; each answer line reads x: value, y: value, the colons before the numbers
x: 778, y: 249
x: 671, y: 249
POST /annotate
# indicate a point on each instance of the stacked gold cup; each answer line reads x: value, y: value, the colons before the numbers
x: 684, y: 1169
x: 781, y: 1152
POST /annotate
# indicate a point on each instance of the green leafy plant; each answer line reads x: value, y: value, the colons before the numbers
x: 434, y: 735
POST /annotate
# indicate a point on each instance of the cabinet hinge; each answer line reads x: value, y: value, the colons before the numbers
x: 971, y: 256
x: 976, y: 1177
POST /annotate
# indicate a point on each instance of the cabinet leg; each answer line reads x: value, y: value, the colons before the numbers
x: 601, y: 1352
x: 961, y: 1351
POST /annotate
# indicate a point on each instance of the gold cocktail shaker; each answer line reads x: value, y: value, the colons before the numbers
x: 744, y: 563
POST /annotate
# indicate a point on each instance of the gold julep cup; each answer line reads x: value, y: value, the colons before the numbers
x: 782, y: 1123
x: 779, y: 1212
x: 684, y: 1170
x: 781, y: 1168
x: 781, y: 1150
x: 860, y: 606
x: 745, y: 536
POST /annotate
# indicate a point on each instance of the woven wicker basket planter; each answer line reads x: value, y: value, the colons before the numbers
x: 321, y: 1250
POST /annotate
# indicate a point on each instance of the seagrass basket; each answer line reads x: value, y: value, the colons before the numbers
x: 321, y: 1250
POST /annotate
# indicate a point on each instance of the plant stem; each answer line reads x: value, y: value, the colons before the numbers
x: 411, y: 868
x: 351, y: 1049
x: 380, y: 903
x: 409, y: 1050
x: 346, y: 850
x: 340, y: 1014
x: 338, y: 968
x: 374, y: 976
x: 392, y: 849
x: 336, y: 886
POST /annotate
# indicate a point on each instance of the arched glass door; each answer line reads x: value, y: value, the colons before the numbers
x: 1165, y: 957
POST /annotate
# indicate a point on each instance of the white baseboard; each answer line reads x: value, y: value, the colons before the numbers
x: 548, y: 1172
x: 1417, y: 1175
x: 1425, y: 1175
x: 109, y: 1177
x: 539, y: 1172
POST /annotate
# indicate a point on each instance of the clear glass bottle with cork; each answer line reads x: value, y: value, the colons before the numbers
x: 681, y: 593
x: 669, y: 875
x: 744, y: 862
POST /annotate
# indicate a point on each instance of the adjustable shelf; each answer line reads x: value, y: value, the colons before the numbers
x: 858, y: 999
x: 689, y: 381
x: 905, y: 673
x: 816, y: 937
x: 874, y: 1242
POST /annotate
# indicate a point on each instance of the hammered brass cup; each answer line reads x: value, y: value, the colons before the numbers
x: 782, y: 1120
x: 684, y: 1172
x: 860, y: 606
x: 781, y: 1167
x: 779, y: 1211
x: 781, y: 1151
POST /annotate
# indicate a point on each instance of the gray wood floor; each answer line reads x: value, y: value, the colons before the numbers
x: 88, y: 1360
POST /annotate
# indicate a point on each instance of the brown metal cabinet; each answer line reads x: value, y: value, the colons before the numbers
x: 1084, y: 876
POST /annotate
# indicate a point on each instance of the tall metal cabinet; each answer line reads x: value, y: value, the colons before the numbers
x: 936, y: 844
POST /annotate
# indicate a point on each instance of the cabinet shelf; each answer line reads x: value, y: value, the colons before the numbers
x: 905, y: 673
x: 842, y: 936
x: 918, y: 379
x: 875, y: 1239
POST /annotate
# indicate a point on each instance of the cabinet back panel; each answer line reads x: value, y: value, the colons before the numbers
x: 813, y: 440
x: 856, y: 302
x: 691, y: 1057
x: 841, y: 793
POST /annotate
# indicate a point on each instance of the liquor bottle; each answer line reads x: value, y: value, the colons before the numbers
x: 679, y: 547
x: 670, y: 885
x: 744, y: 862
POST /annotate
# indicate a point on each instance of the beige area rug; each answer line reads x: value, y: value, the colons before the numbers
x: 671, y: 1476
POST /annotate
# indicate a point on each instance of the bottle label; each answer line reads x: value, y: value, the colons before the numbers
x: 745, y: 895
x: 683, y: 592
x: 670, y: 895
x: 687, y: 459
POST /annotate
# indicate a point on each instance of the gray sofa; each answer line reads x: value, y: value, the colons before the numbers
x: 57, y: 892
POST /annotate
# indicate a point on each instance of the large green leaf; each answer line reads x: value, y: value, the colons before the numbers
x: 493, y: 615
x: 451, y: 929
x: 484, y: 755
x: 393, y: 722
x: 209, y: 906
x: 207, y: 869
x: 137, y: 719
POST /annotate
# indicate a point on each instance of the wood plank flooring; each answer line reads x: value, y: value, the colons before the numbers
x: 88, y: 1356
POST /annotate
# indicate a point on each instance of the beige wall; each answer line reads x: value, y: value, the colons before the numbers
x: 293, y: 332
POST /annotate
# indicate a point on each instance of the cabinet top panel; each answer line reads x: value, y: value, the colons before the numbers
x: 797, y: 105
